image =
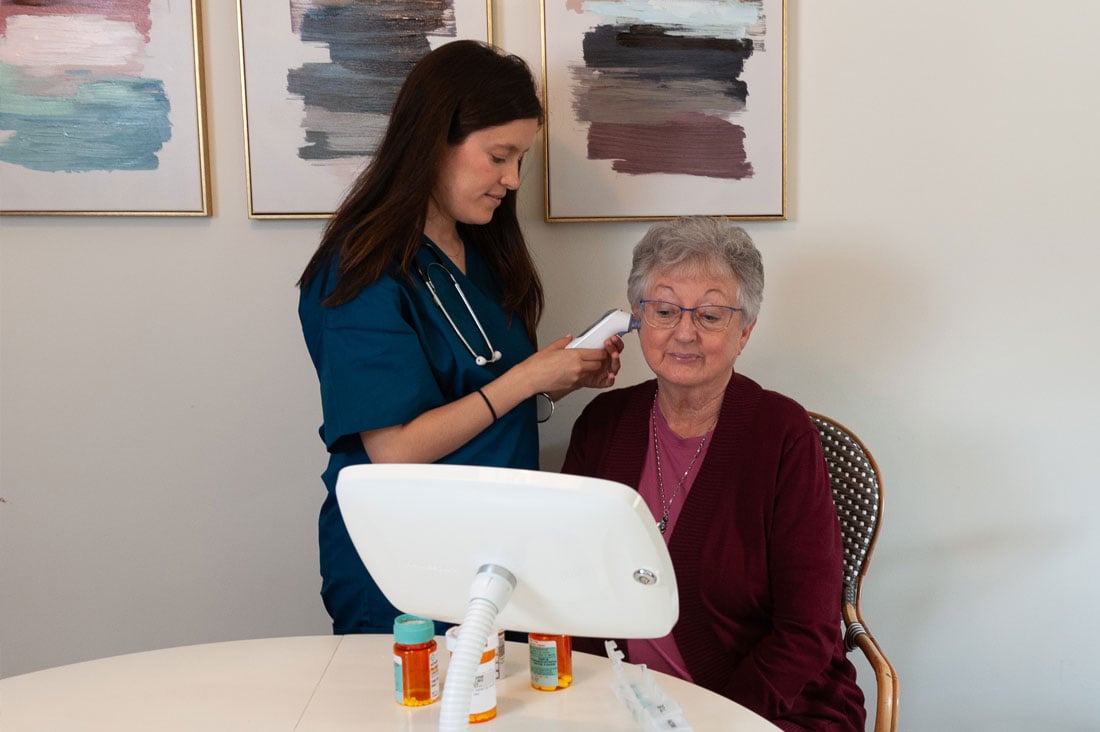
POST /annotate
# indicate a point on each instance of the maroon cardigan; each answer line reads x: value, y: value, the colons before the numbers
x: 756, y: 549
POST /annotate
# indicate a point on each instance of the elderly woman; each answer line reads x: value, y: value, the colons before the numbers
x: 736, y: 481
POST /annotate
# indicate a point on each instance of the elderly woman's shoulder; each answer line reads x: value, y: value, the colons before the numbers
x: 770, y: 405
x: 778, y: 402
x: 782, y: 409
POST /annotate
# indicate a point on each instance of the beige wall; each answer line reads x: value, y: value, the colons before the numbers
x: 934, y: 289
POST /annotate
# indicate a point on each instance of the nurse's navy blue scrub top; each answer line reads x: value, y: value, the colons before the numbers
x: 384, y: 358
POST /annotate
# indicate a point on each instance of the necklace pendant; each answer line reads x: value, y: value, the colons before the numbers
x: 663, y: 523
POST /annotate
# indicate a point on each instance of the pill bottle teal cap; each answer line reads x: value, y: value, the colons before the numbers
x: 412, y: 629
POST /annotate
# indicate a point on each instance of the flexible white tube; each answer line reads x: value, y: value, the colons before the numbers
x: 491, y: 590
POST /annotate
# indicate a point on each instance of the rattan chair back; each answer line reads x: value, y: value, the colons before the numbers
x: 857, y: 495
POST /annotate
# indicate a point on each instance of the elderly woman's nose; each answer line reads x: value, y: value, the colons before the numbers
x: 686, y: 328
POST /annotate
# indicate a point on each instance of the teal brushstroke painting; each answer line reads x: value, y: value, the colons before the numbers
x: 75, y: 92
x: 103, y: 123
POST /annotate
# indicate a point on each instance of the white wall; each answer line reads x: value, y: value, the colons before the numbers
x: 934, y: 289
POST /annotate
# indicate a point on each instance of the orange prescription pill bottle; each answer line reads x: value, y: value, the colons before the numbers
x: 551, y: 661
x: 415, y: 661
x: 500, y: 653
x: 483, y: 704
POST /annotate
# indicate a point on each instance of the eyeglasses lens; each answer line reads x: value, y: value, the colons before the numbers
x: 659, y: 314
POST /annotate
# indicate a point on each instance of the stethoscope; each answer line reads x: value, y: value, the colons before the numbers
x: 479, y: 360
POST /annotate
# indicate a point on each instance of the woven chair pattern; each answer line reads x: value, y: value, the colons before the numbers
x: 857, y: 496
x: 856, y: 492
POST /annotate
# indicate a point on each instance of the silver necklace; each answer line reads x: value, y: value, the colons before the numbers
x: 666, y: 505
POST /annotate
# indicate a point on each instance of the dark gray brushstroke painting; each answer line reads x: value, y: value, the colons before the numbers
x: 373, y: 44
x: 657, y: 100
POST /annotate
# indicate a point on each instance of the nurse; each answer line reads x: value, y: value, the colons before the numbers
x: 420, y: 306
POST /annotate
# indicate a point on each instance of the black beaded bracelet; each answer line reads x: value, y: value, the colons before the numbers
x: 489, y: 404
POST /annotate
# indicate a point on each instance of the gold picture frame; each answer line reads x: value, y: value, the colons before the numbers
x: 658, y: 110
x: 103, y: 110
x: 310, y: 121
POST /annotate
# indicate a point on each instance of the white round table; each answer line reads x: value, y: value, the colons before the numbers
x: 316, y: 684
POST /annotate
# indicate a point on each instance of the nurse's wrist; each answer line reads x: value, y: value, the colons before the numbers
x: 489, y: 405
x: 559, y: 394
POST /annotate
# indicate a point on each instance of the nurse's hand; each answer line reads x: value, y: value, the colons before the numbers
x: 612, y: 347
x: 558, y: 370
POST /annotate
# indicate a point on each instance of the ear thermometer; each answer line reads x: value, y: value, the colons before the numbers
x: 613, y: 322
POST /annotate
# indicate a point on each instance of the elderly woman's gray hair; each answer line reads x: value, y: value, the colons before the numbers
x: 700, y: 244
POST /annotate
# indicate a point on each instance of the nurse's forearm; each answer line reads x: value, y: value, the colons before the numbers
x: 433, y: 435
x: 440, y: 431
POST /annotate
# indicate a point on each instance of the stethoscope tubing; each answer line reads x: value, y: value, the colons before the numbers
x: 494, y: 355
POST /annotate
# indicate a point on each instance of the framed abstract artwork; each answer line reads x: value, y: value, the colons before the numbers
x: 319, y: 78
x: 102, y: 109
x: 660, y: 109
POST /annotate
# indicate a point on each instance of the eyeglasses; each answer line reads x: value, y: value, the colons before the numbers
x: 661, y: 314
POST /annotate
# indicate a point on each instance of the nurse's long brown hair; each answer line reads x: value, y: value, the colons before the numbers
x: 457, y: 89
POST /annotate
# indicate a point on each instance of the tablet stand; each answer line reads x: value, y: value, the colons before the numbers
x: 545, y: 552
